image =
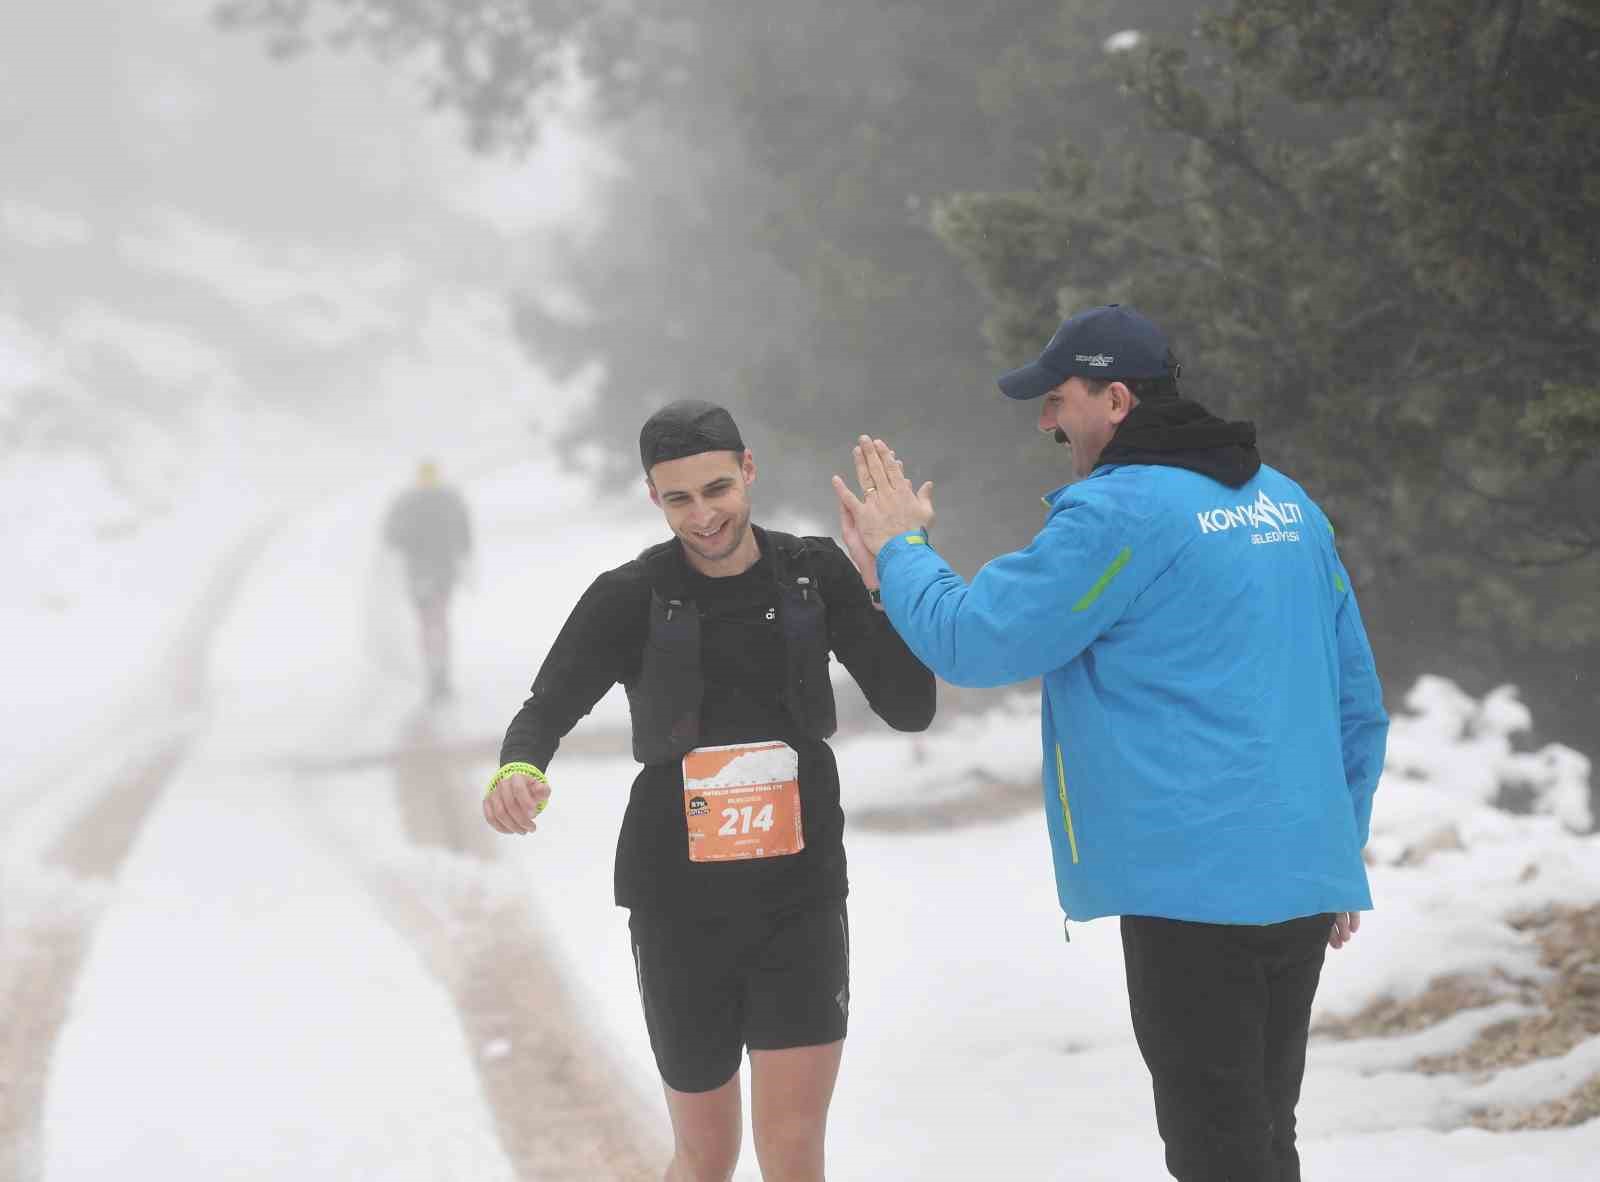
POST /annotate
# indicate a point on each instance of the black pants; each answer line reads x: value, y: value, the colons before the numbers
x: 1222, y: 1013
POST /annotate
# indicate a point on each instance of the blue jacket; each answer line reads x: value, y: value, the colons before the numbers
x: 1212, y: 721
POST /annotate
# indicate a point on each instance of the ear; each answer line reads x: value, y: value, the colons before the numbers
x: 748, y: 466
x: 650, y: 487
x: 1122, y: 401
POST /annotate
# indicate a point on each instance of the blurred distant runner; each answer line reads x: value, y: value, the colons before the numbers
x: 731, y: 855
x: 1212, y: 719
x: 428, y: 524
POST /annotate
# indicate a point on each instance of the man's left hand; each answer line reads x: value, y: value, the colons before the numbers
x: 1345, y: 926
x: 887, y: 506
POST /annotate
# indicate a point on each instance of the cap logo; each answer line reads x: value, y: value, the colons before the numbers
x: 1098, y: 360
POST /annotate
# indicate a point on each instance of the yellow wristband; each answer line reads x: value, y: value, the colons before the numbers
x: 517, y: 769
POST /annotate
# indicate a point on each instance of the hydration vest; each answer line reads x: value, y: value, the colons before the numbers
x: 664, y: 700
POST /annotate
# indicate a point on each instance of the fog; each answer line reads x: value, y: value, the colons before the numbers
x: 261, y: 260
x: 190, y: 228
x: 835, y: 221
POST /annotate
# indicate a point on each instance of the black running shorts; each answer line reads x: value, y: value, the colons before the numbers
x: 767, y: 981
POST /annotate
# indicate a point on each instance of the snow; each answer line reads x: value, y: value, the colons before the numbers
x: 246, y: 1006
x: 970, y: 1012
x: 108, y: 573
x: 208, y: 401
x: 1467, y: 745
x: 245, y: 973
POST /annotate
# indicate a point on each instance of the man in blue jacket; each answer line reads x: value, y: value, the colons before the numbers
x: 1212, y: 720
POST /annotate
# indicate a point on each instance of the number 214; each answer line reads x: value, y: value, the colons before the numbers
x: 737, y: 821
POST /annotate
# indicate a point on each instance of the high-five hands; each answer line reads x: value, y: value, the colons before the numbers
x: 887, y: 507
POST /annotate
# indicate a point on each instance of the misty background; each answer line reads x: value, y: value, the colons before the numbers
x: 498, y: 226
x: 1370, y: 228
x: 258, y: 258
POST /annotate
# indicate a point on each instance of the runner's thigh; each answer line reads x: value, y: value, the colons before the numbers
x: 690, y: 989
x: 798, y: 981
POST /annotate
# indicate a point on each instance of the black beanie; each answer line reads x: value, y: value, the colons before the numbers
x: 687, y: 428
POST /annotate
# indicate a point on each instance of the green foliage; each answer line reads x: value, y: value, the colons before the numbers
x: 1378, y: 240
x: 489, y: 61
x: 771, y: 246
x: 1369, y: 226
x: 1565, y: 419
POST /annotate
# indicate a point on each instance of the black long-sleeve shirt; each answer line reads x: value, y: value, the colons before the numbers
x: 742, y: 661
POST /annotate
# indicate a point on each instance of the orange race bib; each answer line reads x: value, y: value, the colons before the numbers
x: 742, y: 801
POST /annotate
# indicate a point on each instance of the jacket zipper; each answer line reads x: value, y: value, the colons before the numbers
x: 1066, y: 809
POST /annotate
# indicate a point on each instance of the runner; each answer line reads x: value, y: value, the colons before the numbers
x: 429, y: 525
x: 731, y: 856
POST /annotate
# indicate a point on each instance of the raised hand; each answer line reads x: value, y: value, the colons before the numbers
x: 888, y: 505
x: 856, y: 548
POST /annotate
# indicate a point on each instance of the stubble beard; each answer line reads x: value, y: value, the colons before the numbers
x: 738, y: 529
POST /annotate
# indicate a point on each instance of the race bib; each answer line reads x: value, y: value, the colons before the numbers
x: 742, y: 801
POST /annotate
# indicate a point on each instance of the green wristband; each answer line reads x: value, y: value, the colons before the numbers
x: 517, y: 769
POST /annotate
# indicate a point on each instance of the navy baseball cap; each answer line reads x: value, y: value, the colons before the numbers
x: 1105, y: 343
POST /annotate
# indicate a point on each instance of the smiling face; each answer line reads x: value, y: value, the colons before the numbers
x: 1084, y: 419
x: 706, y: 501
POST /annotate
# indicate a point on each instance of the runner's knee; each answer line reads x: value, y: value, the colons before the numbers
x: 705, y: 1159
x: 788, y: 1142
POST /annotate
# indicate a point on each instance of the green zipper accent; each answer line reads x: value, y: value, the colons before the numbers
x: 1093, y: 593
x: 1338, y: 581
x: 1066, y: 809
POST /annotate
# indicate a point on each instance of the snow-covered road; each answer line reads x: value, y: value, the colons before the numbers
x: 269, y: 937
x: 285, y: 964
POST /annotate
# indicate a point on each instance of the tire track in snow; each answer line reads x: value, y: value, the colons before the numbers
x: 43, y: 938
x: 558, y: 1104
x: 552, y: 1091
x: 48, y: 913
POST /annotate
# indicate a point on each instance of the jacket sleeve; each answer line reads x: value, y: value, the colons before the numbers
x: 1026, y: 612
x: 1363, y: 723
x: 598, y: 646
x: 899, y: 688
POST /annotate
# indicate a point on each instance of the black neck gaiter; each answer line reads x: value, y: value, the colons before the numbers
x: 1183, y: 434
